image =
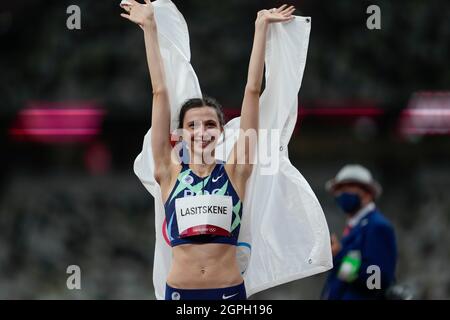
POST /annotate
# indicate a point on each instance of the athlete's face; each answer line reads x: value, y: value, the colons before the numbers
x: 202, y: 129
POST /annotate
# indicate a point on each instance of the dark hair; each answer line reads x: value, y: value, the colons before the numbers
x: 198, y: 103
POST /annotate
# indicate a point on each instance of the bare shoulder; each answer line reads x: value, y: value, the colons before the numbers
x: 238, y: 174
x: 167, y: 179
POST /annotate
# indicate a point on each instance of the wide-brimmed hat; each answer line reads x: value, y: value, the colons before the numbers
x: 355, y: 173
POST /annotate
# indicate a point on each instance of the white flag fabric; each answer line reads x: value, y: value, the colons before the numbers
x: 283, y: 235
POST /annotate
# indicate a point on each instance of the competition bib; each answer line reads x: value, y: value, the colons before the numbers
x: 204, y: 214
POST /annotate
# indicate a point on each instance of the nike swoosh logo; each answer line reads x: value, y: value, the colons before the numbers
x: 224, y: 297
x: 215, y: 180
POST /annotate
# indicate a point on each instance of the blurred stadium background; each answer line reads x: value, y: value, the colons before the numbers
x: 76, y: 104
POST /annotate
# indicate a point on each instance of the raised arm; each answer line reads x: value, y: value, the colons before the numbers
x: 143, y: 15
x: 240, y: 161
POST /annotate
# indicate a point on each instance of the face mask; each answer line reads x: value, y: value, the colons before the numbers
x: 349, y: 202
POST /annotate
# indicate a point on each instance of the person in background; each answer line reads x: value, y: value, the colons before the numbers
x: 365, y: 259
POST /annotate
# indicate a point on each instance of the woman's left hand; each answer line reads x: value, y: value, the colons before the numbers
x: 141, y: 14
x: 282, y: 14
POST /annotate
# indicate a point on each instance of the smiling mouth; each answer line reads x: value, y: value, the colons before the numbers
x: 203, y: 143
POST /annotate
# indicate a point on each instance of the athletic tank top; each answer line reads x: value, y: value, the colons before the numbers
x: 188, y: 184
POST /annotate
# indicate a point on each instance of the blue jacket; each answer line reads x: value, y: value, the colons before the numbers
x: 374, y: 238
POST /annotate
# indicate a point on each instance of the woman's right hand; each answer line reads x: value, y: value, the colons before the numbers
x: 140, y: 13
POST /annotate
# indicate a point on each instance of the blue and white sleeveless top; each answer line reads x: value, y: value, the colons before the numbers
x: 188, y: 184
